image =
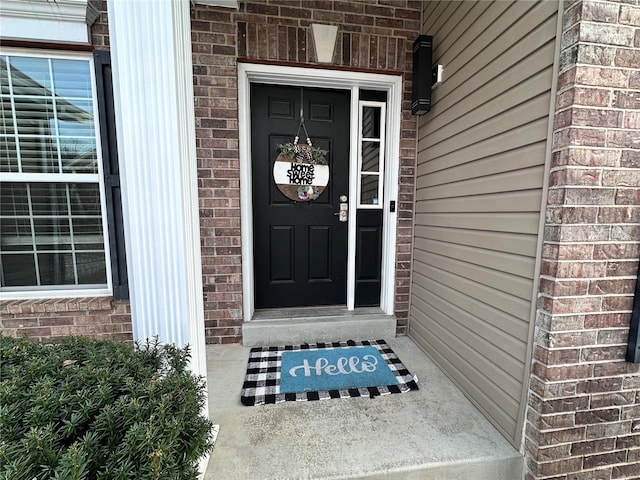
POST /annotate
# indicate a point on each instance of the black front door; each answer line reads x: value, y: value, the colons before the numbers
x: 300, y: 248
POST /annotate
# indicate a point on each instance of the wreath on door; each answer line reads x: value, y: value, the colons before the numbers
x: 301, y: 172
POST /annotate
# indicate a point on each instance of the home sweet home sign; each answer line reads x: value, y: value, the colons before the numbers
x: 302, y: 176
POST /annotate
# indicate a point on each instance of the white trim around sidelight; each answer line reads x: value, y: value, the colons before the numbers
x: 336, y: 79
x: 381, y: 156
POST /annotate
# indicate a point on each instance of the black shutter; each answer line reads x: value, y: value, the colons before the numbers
x: 104, y: 87
x: 633, y: 347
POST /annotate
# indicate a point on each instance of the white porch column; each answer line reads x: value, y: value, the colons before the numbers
x: 153, y: 89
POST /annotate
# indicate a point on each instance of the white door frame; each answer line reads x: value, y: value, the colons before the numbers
x: 337, y: 79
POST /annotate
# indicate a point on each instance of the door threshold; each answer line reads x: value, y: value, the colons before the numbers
x: 311, y: 313
x: 294, y: 326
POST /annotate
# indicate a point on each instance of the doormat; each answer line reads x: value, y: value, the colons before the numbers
x: 321, y: 371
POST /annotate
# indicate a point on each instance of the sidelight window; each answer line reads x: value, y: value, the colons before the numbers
x: 52, y: 209
x: 371, y: 155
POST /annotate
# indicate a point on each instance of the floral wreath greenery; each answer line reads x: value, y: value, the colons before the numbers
x: 294, y: 151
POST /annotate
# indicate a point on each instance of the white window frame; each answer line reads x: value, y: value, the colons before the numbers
x: 65, y: 291
x: 381, y: 154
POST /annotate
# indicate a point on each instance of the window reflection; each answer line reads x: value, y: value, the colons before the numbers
x: 371, y: 122
x: 369, y: 189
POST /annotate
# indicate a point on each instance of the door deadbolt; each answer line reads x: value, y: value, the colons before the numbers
x: 343, y: 212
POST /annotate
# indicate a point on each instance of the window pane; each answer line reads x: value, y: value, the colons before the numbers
x: 16, y: 234
x: 56, y: 269
x: 79, y: 155
x: 4, y: 77
x: 66, y: 226
x: 369, y: 190
x: 371, y: 122
x: 87, y: 233
x: 8, y: 155
x: 370, y: 156
x: 52, y: 234
x: 91, y: 268
x: 71, y: 78
x: 75, y: 118
x: 35, y: 116
x: 18, y: 270
x: 85, y: 199
x: 6, y: 128
x: 39, y: 154
x: 30, y: 76
x: 48, y: 198
x: 13, y: 199
x: 53, y: 130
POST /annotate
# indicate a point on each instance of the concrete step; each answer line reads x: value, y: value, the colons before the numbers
x: 296, y: 326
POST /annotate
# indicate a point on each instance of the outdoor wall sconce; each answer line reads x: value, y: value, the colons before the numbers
x: 324, y: 39
x: 425, y: 75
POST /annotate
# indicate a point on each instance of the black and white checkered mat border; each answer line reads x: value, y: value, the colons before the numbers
x: 262, y: 381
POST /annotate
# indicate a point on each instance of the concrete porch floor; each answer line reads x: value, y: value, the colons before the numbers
x: 432, y: 433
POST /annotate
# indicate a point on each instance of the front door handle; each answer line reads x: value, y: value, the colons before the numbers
x: 343, y: 214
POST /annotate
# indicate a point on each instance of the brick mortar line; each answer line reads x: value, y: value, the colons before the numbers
x: 579, y: 395
x: 586, y: 330
x: 618, y: 24
x: 607, y: 2
x: 588, y: 394
x: 599, y: 242
x: 573, y: 347
x: 592, y: 242
x: 566, y: 348
x: 587, y: 85
x: 604, y: 45
x: 558, y: 168
x: 595, y: 107
x: 606, y: 279
x: 584, y: 297
x: 609, y: 67
x: 590, y: 362
x: 579, y: 347
x: 597, y: 148
x: 586, y: 440
x: 590, y: 127
x: 611, y: 295
x: 594, y: 187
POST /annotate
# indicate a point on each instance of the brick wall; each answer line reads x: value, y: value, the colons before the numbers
x: 42, y: 319
x: 100, y: 29
x: 377, y: 36
x: 583, y: 419
x: 100, y: 317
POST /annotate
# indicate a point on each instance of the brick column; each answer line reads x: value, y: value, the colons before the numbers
x: 583, y: 419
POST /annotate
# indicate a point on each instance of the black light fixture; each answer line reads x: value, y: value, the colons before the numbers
x: 422, y: 76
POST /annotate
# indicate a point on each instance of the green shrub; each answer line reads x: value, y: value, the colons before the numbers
x: 87, y: 409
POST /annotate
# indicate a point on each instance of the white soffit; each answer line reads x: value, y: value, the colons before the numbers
x: 218, y: 3
x: 59, y: 21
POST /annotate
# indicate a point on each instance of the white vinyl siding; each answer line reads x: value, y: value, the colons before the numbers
x: 479, y: 183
